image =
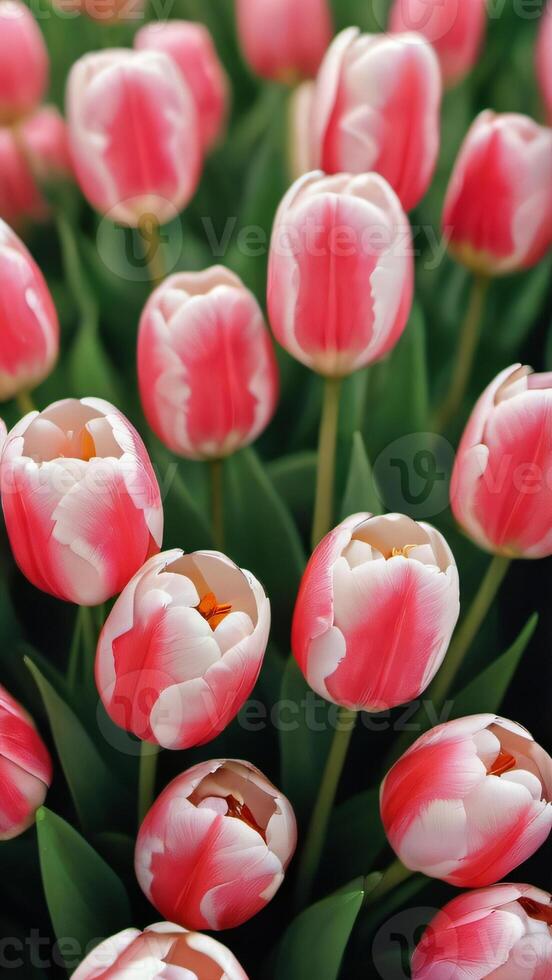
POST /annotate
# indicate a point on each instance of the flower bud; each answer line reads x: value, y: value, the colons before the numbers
x: 501, y: 489
x: 376, y: 107
x: 204, y: 332
x: 31, y: 157
x: 192, y: 49
x: 182, y: 648
x: 504, y: 932
x: 543, y: 53
x: 134, y: 135
x: 455, y: 28
x: 469, y: 801
x: 375, y: 612
x: 23, y: 61
x: 224, y: 830
x: 28, y: 320
x: 25, y: 768
x: 498, y: 209
x: 284, y: 40
x: 161, y: 950
x: 80, y: 499
x: 340, y: 272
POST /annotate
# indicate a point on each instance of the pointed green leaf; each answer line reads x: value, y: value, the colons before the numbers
x: 294, y: 479
x: 85, y: 898
x: 361, y: 491
x: 355, y: 836
x: 315, y: 942
x: 185, y: 523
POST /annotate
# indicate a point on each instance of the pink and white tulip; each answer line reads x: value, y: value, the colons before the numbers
x: 104, y: 11
x: 202, y: 332
x: 29, y: 327
x: 134, y: 135
x: 340, y: 272
x: 375, y: 612
x: 24, y: 61
x: 469, y: 801
x: 31, y: 158
x: 25, y: 768
x: 501, y: 489
x: 182, y: 648
x: 455, y: 28
x: 498, y: 209
x: 376, y: 107
x: 161, y: 950
x: 503, y: 932
x: 224, y: 830
x: 544, y: 58
x: 282, y: 39
x: 81, y: 501
x: 192, y: 49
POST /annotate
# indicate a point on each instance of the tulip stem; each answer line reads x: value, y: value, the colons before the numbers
x: 325, y: 478
x: 470, y: 333
x: 217, y: 508
x: 25, y: 403
x: 394, y: 876
x: 316, y: 834
x: 146, y: 780
x: 151, y: 234
x: 83, y: 645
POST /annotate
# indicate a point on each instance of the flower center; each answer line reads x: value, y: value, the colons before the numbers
x: 87, y: 446
x: 542, y: 913
x: 239, y: 810
x: 504, y: 762
x: 213, y: 611
x: 402, y: 552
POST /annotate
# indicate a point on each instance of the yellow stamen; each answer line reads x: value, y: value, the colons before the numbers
x: 402, y: 552
x: 212, y: 611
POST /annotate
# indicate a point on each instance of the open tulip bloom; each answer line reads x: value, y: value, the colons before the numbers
x: 25, y: 768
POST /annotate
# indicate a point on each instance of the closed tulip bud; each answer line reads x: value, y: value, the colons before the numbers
x: 284, y: 40
x: 469, y: 801
x: 80, y: 499
x: 340, y: 272
x: 498, y: 209
x: 25, y: 768
x: 544, y: 58
x: 376, y: 107
x: 134, y: 135
x: 32, y: 157
x: 503, y: 932
x: 161, y: 950
x: 224, y: 830
x: 29, y: 329
x: 199, y: 332
x: 375, y: 612
x: 455, y: 28
x: 501, y: 492
x: 182, y: 648
x: 23, y: 61
x: 191, y: 48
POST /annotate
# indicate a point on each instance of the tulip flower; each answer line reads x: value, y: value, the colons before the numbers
x: 182, y: 648
x: 455, y: 28
x: 161, y: 950
x: 134, y: 135
x: 32, y: 157
x: 200, y: 333
x: 104, y: 11
x: 192, y: 49
x: 25, y: 768
x: 544, y: 58
x: 469, y: 801
x: 284, y: 40
x: 498, y: 208
x: 504, y: 932
x: 375, y: 612
x: 224, y: 830
x: 340, y: 272
x: 23, y: 61
x: 28, y: 320
x: 500, y: 490
x: 376, y: 107
x: 81, y: 501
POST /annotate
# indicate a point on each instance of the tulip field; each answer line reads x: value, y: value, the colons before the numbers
x: 276, y: 489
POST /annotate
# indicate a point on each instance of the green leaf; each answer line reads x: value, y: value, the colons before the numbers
x: 487, y: 691
x: 98, y: 797
x: 85, y: 898
x: 185, y: 523
x: 361, y: 491
x: 315, y: 942
x: 355, y: 836
x: 294, y: 479
x: 305, y: 739
x: 90, y: 370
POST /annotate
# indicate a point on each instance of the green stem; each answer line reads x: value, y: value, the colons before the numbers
x: 151, y: 234
x: 395, y: 875
x: 73, y: 662
x: 323, y: 509
x: 25, y: 403
x: 316, y: 834
x: 146, y: 781
x: 83, y: 648
x: 468, y: 342
x: 217, y: 499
